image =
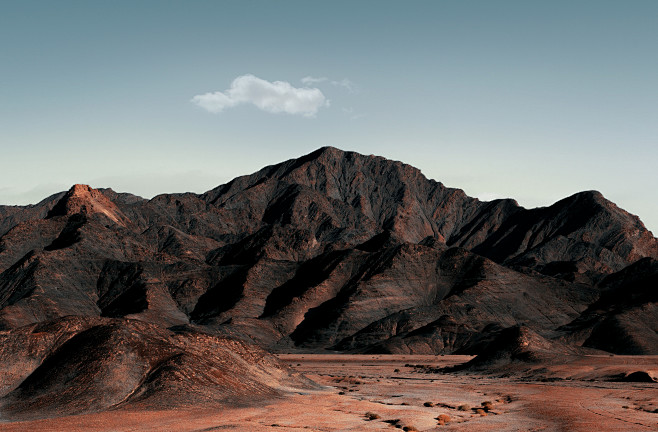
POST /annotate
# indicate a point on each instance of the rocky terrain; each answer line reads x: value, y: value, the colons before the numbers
x: 109, y: 301
x: 336, y: 250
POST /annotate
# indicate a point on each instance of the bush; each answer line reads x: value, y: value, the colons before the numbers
x: 428, y: 404
x: 409, y: 428
x: 443, y: 419
x: 487, y: 405
x: 372, y: 416
x: 464, y: 407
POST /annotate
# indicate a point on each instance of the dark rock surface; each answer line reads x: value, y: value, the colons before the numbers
x: 624, y: 320
x: 335, y: 250
x: 520, y: 345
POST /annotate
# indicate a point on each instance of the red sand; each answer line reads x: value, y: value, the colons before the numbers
x: 371, y: 384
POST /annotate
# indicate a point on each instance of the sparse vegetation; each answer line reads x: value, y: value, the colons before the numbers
x: 464, y: 407
x: 409, y: 428
x: 372, y: 416
x: 487, y: 405
x: 443, y: 419
x: 481, y: 412
x: 428, y: 404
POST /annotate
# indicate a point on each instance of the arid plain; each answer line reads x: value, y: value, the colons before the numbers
x: 394, y: 392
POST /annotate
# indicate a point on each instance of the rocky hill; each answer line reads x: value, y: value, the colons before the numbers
x: 335, y: 250
x: 76, y: 365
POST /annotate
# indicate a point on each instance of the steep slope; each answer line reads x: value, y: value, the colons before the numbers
x: 624, y: 320
x: 583, y: 236
x: 352, y: 193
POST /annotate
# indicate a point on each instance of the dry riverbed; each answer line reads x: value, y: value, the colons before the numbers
x: 388, y: 393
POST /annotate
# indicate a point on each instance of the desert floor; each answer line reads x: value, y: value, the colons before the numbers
x: 395, y: 393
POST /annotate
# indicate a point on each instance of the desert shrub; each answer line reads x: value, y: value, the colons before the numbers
x: 409, y: 428
x: 443, y: 419
x: 392, y: 421
x: 396, y: 370
x: 464, y: 407
x: 481, y: 412
x: 487, y: 405
x: 372, y: 416
x: 428, y: 404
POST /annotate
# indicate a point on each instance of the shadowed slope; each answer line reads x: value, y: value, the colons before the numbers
x: 625, y: 318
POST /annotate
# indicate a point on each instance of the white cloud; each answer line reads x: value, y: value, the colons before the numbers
x: 309, y: 80
x: 274, y: 97
x: 345, y: 83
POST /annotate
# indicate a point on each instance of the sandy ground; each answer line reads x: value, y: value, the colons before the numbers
x: 394, y: 395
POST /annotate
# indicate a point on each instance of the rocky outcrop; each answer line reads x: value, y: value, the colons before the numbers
x: 518, y: 345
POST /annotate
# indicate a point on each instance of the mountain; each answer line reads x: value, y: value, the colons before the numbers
x: 334, y: 250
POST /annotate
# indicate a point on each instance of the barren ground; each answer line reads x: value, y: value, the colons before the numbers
x: 573, y: 397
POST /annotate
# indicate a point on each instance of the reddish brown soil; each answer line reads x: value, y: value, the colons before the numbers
x: 580, y: 400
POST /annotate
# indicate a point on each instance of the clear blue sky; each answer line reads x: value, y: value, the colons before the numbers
x: 534, y: 100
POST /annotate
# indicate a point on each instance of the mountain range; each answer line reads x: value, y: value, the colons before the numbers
x: 335, y: 250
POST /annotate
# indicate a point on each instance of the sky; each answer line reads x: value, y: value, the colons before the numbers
x: 524, y: 99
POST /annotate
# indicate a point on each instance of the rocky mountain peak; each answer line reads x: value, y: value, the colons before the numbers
x: 83, y: 199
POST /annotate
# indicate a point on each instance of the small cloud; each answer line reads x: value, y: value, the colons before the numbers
x: 274, y: 97
x: 353, y: 116
x: 309, y: 80
x: 344, y: 83
x: 347, y: 84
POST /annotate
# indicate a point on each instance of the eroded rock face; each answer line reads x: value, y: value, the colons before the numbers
x: 332, y: 250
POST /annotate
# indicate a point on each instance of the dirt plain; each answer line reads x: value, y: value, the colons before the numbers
x: 394, y: 392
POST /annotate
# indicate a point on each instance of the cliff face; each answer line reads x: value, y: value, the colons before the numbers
x: 332, y: 250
